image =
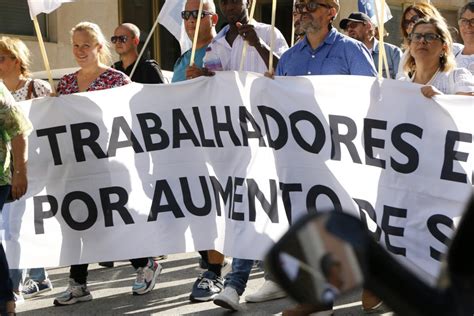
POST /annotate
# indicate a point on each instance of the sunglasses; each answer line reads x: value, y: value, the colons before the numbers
x: 310, y: 6
x: 121, y: 38
x: 466, y: 22
x: 187, y: 14
x: 3, y: 58
x: 428, y: 37
x: 412, y: 20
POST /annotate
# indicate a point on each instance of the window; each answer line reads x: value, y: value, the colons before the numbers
x: 15, y: 19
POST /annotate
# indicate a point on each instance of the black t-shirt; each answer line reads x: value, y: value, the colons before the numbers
x: 148, y: 71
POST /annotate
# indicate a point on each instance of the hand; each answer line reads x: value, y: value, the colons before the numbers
x: 194, y: 72
x: 430, y: 91
x: 19, y: 184
x: 269, y: 74
x: 248, y: 33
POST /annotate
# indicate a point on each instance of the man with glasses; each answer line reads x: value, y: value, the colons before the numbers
x: 359, y: 27
x: 207, y: 32
x: 126, y: 39
x: 465, y: 58
x: 209, y: 283
x: 324, y: 51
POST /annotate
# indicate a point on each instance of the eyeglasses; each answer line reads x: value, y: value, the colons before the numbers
x: 121, y: 38
x: 412, y: 20
x: 428, y: 37
x: 310, y: 6
x: 187, y: 14
x: 466, y: 22
x: 3, y: 58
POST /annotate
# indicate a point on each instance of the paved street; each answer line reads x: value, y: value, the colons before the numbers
x: 111, y: 289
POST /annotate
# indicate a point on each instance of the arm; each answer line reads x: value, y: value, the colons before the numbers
x: 248, y: 33
x: 19, y: 145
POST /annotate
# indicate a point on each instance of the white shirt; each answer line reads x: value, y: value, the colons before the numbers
x: 42, y: 88
x: 230, y: 56
x: 465, y: 61
x: 450, y: 82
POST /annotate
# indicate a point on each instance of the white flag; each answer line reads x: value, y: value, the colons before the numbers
x: 170, y: 17
x: 44, y: 6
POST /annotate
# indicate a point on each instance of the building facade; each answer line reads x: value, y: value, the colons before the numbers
x: 15, y: 21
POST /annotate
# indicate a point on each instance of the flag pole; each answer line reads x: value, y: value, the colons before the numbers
x: 293, y: 27
x: 382, y: 54
x: 196, y: 34
x: 43, y: 52
x: 244, y: 49
x: 272, y: 38
x: 144, y: 46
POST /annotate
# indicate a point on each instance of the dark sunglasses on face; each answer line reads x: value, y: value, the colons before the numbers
x: 412, y: 20
x: 311, y: 6
x: 187, y: 14
x: 466, y: 22
x: 120, y: 38
x: 428, y: 37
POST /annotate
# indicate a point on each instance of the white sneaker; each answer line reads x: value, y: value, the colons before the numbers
x: 269, y: 291
x: 74, y: 293
x: 19, y: 299
x: 228, y: 299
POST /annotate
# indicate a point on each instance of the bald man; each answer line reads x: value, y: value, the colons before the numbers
x: 126, y: 39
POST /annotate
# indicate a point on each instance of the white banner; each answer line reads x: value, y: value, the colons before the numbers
x: 227, y: 162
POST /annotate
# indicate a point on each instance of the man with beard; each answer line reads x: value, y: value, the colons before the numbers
x: 324, y: 51
x: 359, y: 26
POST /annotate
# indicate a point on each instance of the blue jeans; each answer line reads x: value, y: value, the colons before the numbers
x: 18, y: 276
x: 237, y: 279
x: 6, y: 289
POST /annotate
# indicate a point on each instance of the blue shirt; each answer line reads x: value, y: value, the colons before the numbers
x: 179, y: 69
x: 336, y: 55
x: 393, y: 53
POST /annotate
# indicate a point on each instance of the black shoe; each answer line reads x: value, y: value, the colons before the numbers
x: 206, y: 287
x: 107, y: 264
x: 161, y: 257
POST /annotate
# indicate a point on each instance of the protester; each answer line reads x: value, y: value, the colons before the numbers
x: 126, y: 39
x: 341, y: 54
x: 14, y: 127
x: 431, y: 61
x: 209, y: 283
x: 359, y: 26
x: 15, y: 75
x: 225, y: 53
x: 92, y: 54
x: 207, y: 32
x: 465, y: 58
x: 410, y: 16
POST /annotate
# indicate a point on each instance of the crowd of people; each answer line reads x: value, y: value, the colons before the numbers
x: 428, y: 56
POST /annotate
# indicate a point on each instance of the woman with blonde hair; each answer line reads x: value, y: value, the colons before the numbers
x: 90, y: 49
x: 14, y: 71
x: 431, y: 61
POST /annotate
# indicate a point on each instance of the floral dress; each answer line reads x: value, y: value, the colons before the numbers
x: 110, y: 78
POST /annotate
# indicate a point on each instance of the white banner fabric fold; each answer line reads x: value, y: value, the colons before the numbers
x: 44, y: 6
x: 227, y: 162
